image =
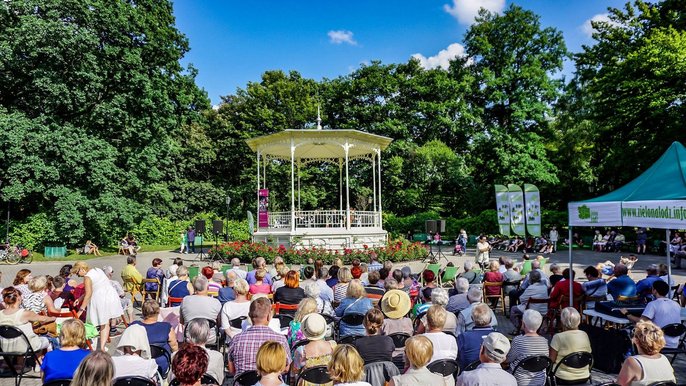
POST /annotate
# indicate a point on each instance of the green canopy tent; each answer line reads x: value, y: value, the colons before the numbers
x: 655, y: 199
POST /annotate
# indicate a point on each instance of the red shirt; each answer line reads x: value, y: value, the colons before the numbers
x: 562, y: 288
x: 493, y: 277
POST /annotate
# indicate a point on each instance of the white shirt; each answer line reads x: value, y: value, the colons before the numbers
x: 133, y: 365
x: 230, y: 311
x: 445, y: 346
x: 487, y: 374
x: 663, y: 311
x: 239, y: 272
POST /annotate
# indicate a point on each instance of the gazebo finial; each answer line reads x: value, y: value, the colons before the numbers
x: 319, y: 119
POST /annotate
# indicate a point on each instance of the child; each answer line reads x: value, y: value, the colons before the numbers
x: 271, y: 362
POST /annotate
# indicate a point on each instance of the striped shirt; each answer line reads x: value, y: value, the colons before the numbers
x: 525, y: 346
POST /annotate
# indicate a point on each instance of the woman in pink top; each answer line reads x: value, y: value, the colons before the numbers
x: 260, y: 286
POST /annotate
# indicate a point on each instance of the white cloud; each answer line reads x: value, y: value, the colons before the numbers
x: 442, y: 59
x: 588, y: 29
x: 466, y: 10
x: 341, y: 36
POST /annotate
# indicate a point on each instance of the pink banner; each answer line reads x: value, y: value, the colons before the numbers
x: 263, y: 210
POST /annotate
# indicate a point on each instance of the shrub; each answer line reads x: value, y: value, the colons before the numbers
x: 399, y: 250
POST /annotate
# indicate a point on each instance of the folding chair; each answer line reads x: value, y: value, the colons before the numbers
x: 375, y: 298
x: 173, y: 302
x: 350, y: 339
x: 284, y: 320
x: 214, y: 327
x: 19, y: 363
x: 528, y: 305
x: 134, y: 289
x: 300, y: 343
x: 535, y: 364
x: 207, y: 379
x: 499, y: 295
x: 472, y: 366
x: 435, y: 268
x: 289, y: 308
x: 577, y: 360
x: 238, y: 322
x: 448, y: 277
x: 133, y: 381
x: 193, y: 272
x: 399, y: 339
x: 161, y: 352
x: 675, y: 330
x: 247, y: 378
x: 318, y: 375
x: 153, y: 294
x: 58, y: 382
x: 350, y: 320
x: 445, y: 367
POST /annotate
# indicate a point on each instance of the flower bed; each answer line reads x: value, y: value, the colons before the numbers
x: 399, y: 250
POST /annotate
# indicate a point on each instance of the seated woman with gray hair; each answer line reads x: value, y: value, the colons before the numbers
x: 125, y: 302
x: 570, y: 340
x: 471, y: 276
x: 313, y: 291
x: 439, y: 297
x: 527, y: 345
x: 197, y: 333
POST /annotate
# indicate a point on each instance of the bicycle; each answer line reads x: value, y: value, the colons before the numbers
x: 15, y: 254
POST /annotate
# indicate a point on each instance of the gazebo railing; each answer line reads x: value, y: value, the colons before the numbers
x: 324, y: 219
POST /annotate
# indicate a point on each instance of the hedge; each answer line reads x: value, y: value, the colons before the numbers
x: 398, y: 250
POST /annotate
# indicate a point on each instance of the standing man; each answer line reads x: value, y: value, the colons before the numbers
x: 483, y: 250
x: 553, y: 236
x: 191, y: 239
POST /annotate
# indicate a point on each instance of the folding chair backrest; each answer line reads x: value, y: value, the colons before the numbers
x: 18, y: 342
x: 350, y: 339
x: 472, y: 366
x: 399, y: 339
x: 536, y: 301
x: 534, y: 364
x: 674, y: 330
x: 445, y: 367
x: 247, y: 378
x: 193, y: 272
x: 353, y: 319
x: 449, y: 274
x: 238, y: 322
x: 663, y: 383
x: 317, y: 375
x: 133, y: 381
x: 577, y: 360
x: 58, y: 382
x: 279, y: 307
x: 284, y: 319
x: 207, y: 379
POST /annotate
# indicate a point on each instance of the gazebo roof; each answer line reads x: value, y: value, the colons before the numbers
x: 318, y: 144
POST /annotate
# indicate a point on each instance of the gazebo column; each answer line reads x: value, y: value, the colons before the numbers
x: 292, y: 185
x: 374, y: 185
x: 340, y: 185
x: 299, y: 209
x: 378, y: 156
x: 347, y: 186
x: 257, y: 191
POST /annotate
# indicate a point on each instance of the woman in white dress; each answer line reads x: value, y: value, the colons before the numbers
x: 100, y: 299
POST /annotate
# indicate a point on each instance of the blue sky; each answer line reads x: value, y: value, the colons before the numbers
x: 234, y: 42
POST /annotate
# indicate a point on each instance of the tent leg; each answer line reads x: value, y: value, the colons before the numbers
x: 669, y: 264
x: 571, y: 268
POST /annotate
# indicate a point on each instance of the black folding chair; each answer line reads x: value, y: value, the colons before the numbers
x: 674, y: 330
x: 247, y: 378
x: 318, y: 375
x: 445, y: 367
x: 351, y: 320
x: 19, y: 363
x: 238, y: 322
x: 350, y: 339
x: 299, y: 343
x: 207, y: 379
x: 399, y: 339
x: 576, y: 360
x: 58, y: 382
x: 472, y: 366
x: 134, y: 381
x: 213, y: 326
x: 161, y: 352
x: 534, y: 364
x: 663, y: 383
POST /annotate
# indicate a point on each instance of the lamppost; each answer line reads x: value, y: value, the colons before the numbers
x: 226, y: 227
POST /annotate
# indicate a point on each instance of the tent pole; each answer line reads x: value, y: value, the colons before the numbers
x: 571, y: 282
x: 669, y: 264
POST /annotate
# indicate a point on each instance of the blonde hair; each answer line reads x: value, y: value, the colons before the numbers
x: 241, y: 287
x: 260, y: 274
x: 271, y: 358
x: 282, y: 270
x: 96, y: 369
x: 436, y: 316
x: 344, y: 275
x: 78, y: 266
x: 649, y: 337
x: 38, y: 283
x: 346, y: 364
x: 355, y: 289
x: 73, y: 333
x: 418, y: 351
x: 495, y: 265
x: 305, y: 307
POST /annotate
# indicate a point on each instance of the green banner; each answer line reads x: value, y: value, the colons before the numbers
x: 516, y: 198
x: 532, y: 198
x: 502, y: 203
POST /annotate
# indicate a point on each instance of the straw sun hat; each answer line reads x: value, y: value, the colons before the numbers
x: 313, y: 327
x: 395, y: 304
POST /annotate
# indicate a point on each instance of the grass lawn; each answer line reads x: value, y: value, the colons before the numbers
x: 106, y: 251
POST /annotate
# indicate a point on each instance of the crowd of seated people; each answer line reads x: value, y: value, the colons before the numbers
x: 360, y: 329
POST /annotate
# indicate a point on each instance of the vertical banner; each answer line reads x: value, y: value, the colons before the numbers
x: 263, y: 209
x: 516, y: 197
x: 532, y: 198
x: 502, y: 203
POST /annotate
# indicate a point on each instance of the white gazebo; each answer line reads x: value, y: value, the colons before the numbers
x: 335, y: 229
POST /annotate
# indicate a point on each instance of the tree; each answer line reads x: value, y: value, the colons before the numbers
x: 514, y: 61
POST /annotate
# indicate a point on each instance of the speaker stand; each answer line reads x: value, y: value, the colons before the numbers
x: 202, y: 255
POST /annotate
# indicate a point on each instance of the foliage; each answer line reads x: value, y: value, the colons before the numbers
x: 399, y: 250
x: 35, y: 232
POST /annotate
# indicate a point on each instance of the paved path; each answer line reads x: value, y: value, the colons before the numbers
x: 581, y: 259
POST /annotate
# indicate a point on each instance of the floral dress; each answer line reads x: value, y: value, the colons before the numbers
x: 301, y: 360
